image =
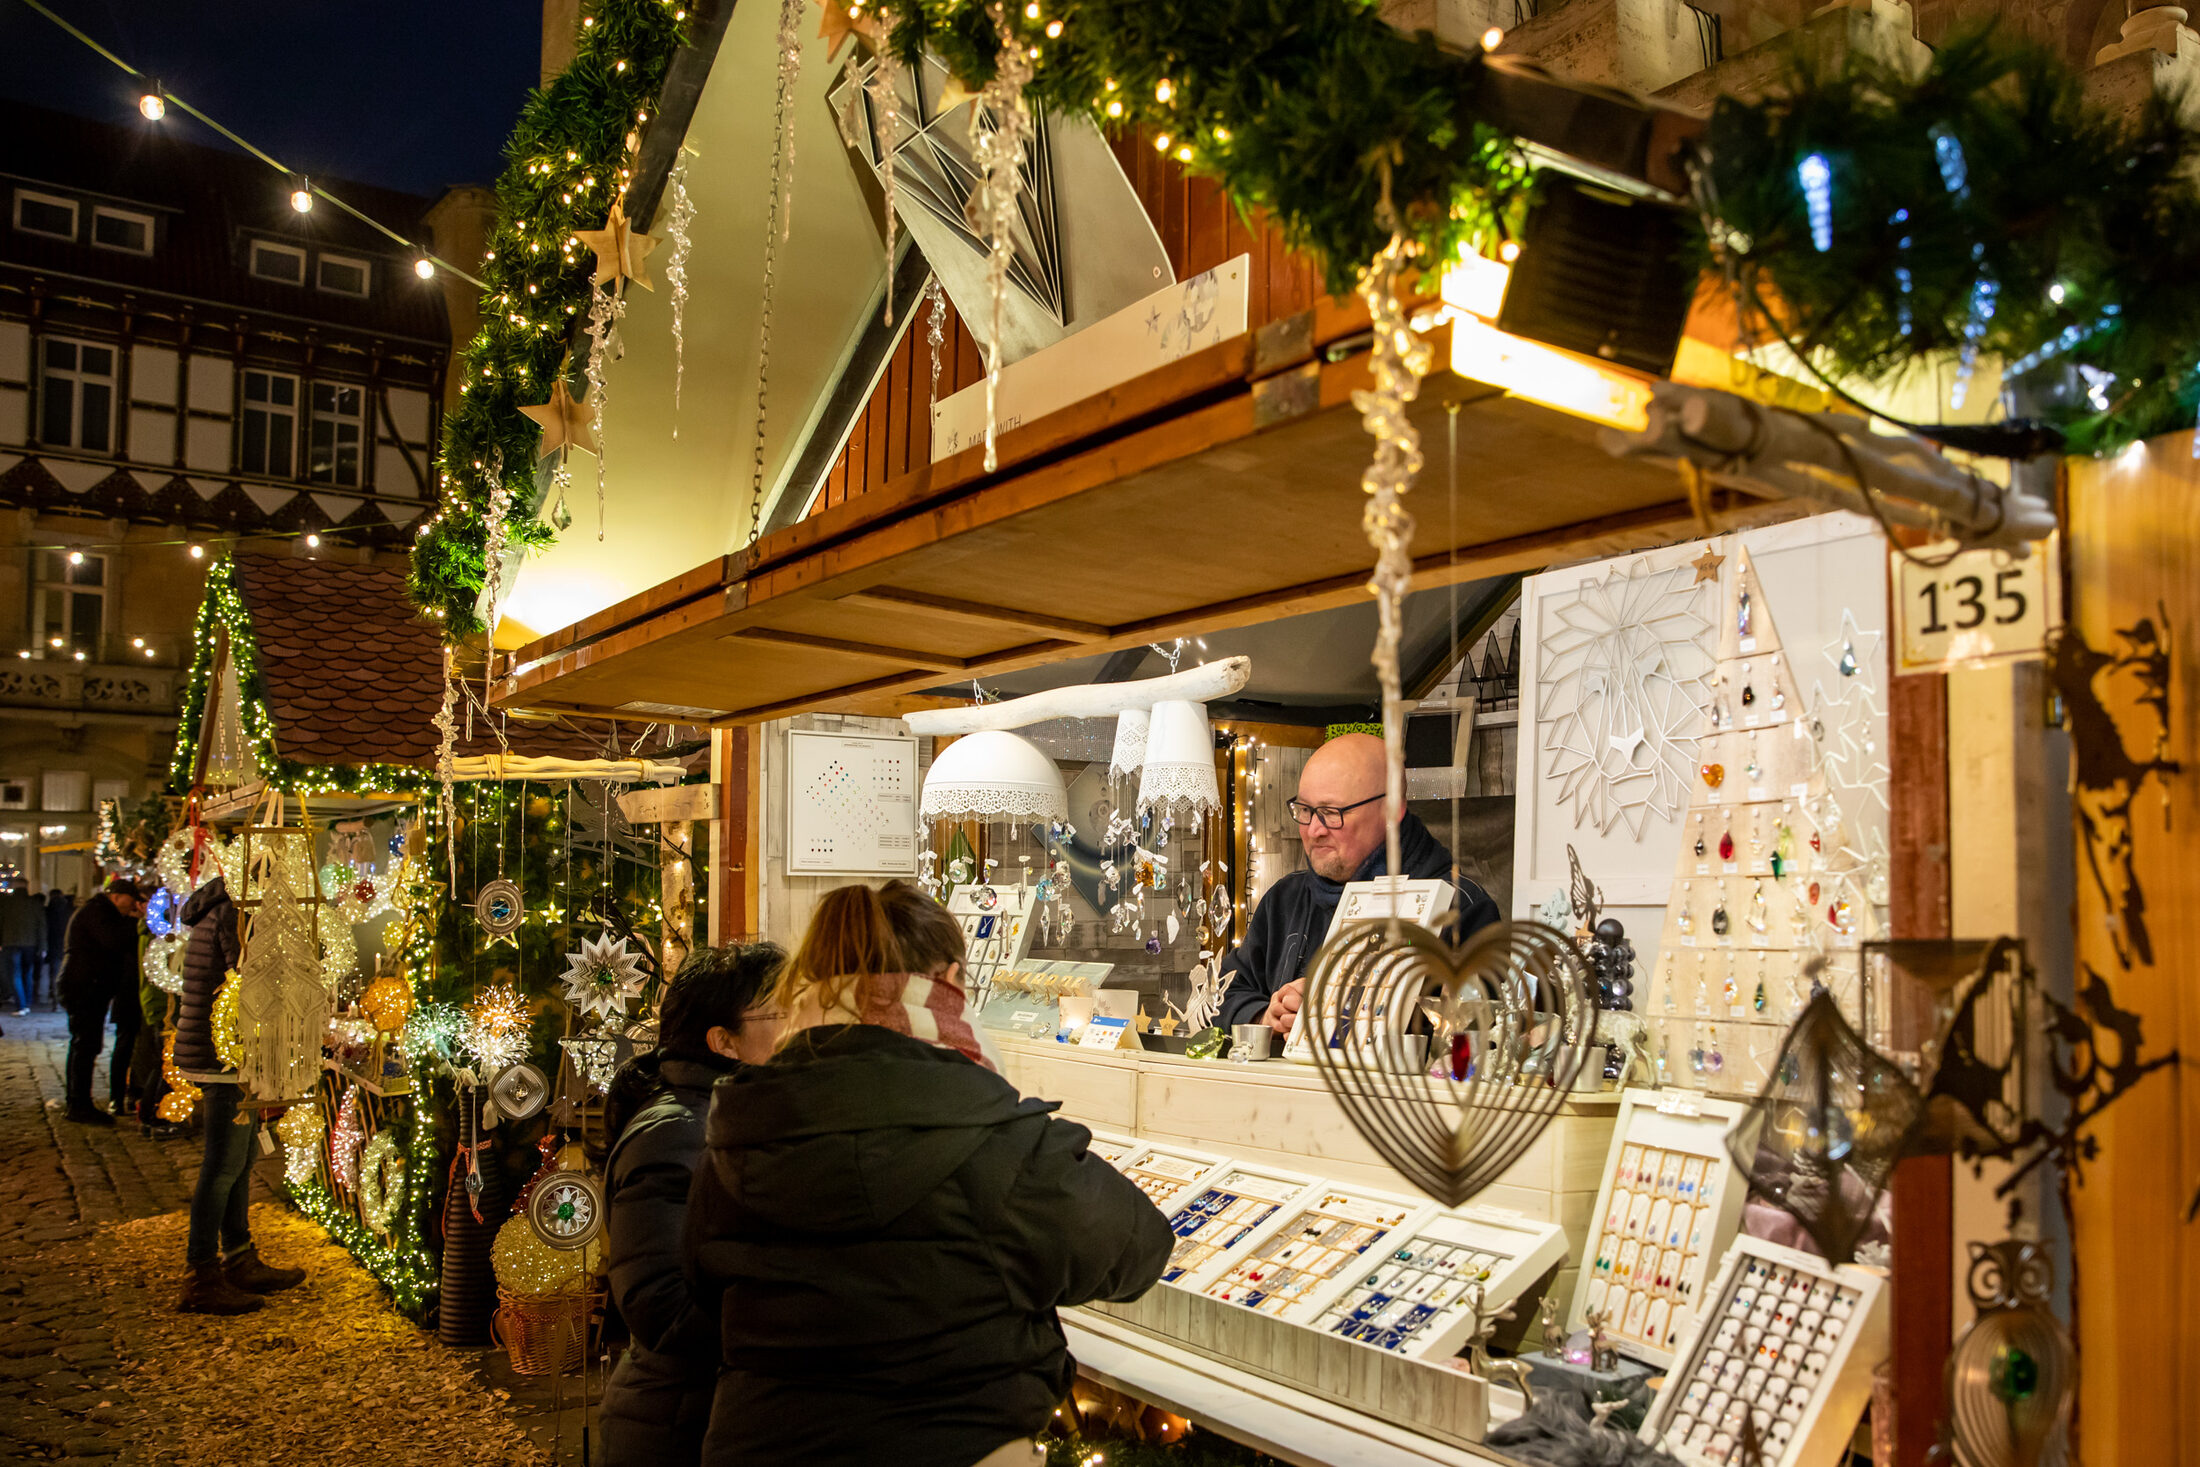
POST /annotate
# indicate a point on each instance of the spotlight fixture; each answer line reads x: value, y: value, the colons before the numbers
x: 424, y: 268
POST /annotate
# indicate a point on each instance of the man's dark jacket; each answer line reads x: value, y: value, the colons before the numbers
x: 657, y: 1403
x: 1292, y: 919
x: 99, y: 956
x: 212, y: 953
x: 892, y: 1229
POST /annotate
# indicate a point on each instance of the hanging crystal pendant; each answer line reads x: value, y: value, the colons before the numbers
x: 1749, y: 695
x: 1847, y: 664
x: 1757, y: 909
x: 1714, y: 775
x: 1741, y: 616
x: 1731, y: 989
x: 1699, y: 845
x: 1719, y: 919
x: 1714, y: 1061
x: 1695, y: 1050
x: 1726, y: 845
x: 1758, y: 1002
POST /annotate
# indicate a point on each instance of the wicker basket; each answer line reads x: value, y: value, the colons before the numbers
x: 547, y: 1334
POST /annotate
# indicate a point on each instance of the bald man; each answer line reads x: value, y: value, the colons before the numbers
x: 1340, y: 817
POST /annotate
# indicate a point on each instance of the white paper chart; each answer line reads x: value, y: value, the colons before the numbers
x: 851, y: 804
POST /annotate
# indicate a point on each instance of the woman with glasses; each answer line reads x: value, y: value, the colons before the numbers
x: 1340, y: 818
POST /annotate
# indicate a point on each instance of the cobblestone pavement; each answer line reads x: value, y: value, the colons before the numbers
x: 96, y: 1367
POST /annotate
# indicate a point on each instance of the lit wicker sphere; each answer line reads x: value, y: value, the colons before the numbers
x: 388, y: 1002
x: 527, y: 1266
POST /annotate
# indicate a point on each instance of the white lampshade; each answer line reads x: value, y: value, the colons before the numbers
x: 1180, y: 760
x: 993, y: 776
x: 1130, y: 744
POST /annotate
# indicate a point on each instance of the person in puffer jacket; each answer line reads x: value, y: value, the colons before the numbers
x: 223, y: 1270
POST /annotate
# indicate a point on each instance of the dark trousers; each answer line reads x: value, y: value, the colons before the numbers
x: 87, y: 1033
x: 23, y: 967
x: 221, y: 1217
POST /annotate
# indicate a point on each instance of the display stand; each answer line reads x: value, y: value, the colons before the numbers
x: 1222, y: 1212
x: 1670, y: 1202
x: 996, y: 924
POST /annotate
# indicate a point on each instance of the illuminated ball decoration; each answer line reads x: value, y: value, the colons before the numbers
x: 388, y: 1003
x: 300, y: 1132
x: 497, y: 1027
x: 528, y: 1267
x: 381, y: 1181
x: 228, y: 1048
x: 162, y: 963
x: 435, y: 1031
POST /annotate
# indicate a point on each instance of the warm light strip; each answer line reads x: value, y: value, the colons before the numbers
x: 1546, y: 375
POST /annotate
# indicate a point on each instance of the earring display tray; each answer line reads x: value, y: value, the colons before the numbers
x: 1112, y: 1148
x: 1025, y: 997
x: 1785, y: 1339
x: 1164, y: 1173
x: 1669, y: 1204
x: 1225, y: 1209
x: 996, y: 924
x: 1298, y: 1252
x: 1416, y: 1298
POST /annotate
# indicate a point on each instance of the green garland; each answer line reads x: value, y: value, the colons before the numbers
x: 222, y: 610
x: 564, y: 167
x: 1299, y: 107
x: 2074, y: 228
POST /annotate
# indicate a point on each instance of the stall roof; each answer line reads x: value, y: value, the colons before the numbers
x: 1219, y: 491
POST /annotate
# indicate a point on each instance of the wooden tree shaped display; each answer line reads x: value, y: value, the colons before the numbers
x: 1756, y: 904
x: 282, y: 1003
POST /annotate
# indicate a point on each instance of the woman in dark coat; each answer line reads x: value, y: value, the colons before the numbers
x: 712, y: 1020
x: 891, y: 1226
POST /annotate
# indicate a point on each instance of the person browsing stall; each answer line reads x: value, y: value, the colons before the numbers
x: 1339, y: 811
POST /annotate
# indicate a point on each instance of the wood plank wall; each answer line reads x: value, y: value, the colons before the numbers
x: 1198, y: 228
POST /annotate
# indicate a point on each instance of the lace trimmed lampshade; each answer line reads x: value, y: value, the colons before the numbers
x: 1179, y: 774
x: 993, y: 776
x: 1130, y: 744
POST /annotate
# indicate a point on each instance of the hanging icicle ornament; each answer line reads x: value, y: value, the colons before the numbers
x: 1400, y: 358
x: 1902, y: 277
x: 621, y: 255
x: 677, y: 220
x: 446, y: 752
x: 998, y: 153
x: 602, y: 976
x: 778, y: 223
x: 605, y: 310
x: 935, y: 336
x: 1815, y: 175
x: 886, y: 117
x: 495, y: 540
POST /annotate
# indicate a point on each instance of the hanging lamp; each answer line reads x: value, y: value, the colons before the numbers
x: 1179, y: 772
x: 993, y: 775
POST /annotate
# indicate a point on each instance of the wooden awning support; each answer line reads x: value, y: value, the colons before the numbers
x: 1218, y: 491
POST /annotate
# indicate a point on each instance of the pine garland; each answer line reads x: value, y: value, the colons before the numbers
x: 1984, y: 185
x: 566, y: 161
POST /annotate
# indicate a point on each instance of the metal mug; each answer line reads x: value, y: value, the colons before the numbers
x: 1250, y: 1042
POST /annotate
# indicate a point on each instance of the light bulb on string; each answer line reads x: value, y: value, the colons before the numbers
x: 153, y: 106
x: 301, y: 197
x: 424, y: 268
x: 1815, y: 174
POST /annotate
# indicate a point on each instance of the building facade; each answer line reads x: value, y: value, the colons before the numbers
x: 188, y: 364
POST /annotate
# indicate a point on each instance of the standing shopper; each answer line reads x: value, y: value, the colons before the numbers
x: 23, y: 934
x: 60, y: 907
x: 891, y: 1227
x: 224, y: 1271
x: 714, y: 1019
x: 98, y: 975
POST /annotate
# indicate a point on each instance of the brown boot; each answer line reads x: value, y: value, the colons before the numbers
x: 208, y: 1291
x: 245, y: 1271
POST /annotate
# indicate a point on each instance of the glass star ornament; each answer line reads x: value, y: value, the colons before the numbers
x: 602, y: 976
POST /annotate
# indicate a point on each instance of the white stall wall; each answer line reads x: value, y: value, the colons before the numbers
x: 1812, y: 571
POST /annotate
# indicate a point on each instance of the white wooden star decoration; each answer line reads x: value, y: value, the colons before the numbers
x: 602, y: 976
x: 565, y: 422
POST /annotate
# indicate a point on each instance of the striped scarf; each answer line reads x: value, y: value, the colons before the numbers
x: 931, y: 1009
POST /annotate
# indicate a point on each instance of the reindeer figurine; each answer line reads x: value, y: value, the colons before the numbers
x: 1479, y: 1362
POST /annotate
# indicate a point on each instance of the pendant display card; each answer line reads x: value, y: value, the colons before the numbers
x: 1415, y: 1296
x: 1669, y: 1203
x: 1164, y: 1173
x: 1785, y: 1338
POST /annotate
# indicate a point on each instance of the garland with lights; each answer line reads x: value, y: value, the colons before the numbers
x: 222, y: 612
x: 1979, y: 207
x: 569, y: 160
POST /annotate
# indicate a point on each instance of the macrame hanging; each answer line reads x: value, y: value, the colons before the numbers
x: 282, y: 1002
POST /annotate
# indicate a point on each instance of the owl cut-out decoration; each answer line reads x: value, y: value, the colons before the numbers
x: 2013, y: 1375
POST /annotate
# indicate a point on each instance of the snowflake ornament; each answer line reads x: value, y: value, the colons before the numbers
x: 602, y: 976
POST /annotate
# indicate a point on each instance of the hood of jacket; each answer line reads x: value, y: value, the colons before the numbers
x: 851, y: 1125
x: 202, y: 903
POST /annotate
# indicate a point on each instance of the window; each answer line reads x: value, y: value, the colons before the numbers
x: 333, y: 451
x: 70, y: 608
x: 341, y: 274
x: 77, y: 395
x: 45, y: 214
x: 119, y: 229
x: 270, y: 432
x: 278, y: 262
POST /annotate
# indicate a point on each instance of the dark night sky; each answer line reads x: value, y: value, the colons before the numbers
x: 404, y: 93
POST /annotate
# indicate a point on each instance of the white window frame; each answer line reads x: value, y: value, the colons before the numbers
x: 76, y: 214
x: 296, y: 412
x: 46, y: 589
x: 76, y: 377
x: 314, y: 417
x: 130, y: 216
x: 268, y: 246
x: 366, y: 275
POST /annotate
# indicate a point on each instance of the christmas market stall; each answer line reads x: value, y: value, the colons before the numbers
x: 450, y: 930
x: 1753, y: 479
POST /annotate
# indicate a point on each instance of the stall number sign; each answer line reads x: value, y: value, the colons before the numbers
x: 1981, y: 606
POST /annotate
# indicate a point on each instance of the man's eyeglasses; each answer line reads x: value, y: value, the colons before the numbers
x: 1331, y: 816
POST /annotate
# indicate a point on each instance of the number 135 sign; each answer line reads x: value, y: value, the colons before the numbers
x: 1982, y: 606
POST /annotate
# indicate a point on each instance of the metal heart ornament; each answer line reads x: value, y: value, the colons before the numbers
x: 1507, y: 1018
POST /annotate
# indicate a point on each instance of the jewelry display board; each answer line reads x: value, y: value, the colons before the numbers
x: 851, y: 804
x: 996, y: 924
x: 1112, y: 1148
x: 1165, y: 1173
x: 1026, y: 997
x: 1418, y: 1297
x: 1225, y: 1209
x: 1785, y: 1337
x: 1669, y: 1204
x: 1300, y: 1251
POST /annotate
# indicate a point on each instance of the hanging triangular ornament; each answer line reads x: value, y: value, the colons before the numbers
x: 621, y: 252
x: 565, y: 423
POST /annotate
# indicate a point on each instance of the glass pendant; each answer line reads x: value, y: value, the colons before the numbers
x: 1714, y: 775
x: 1726, y: 845
x: 1741, y: 614
x: 1699, y: 845
x: 1816, y: 845
x: 1779, y: 700
x: 1749, y: 695
x: 1783, y: 849
x: 1843, y: 917
x: 1814, y: 893
x: 1695, y: 1051
x: 1714, y: 1061
x: 1730, y: 989
x: 1685, y: 920
x: 1758, y: 1002
x: 1719, y: 919
x: 1847, y: 664
x: 1757, y: 909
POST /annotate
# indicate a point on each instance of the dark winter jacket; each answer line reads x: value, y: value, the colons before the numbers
x: 58, y: 910
x: 657, y: 1403
x: 892, y: 1229
x: 212, y: 952
x: 23, y: 921
x: 1292, y: 919
x: 99, y: 956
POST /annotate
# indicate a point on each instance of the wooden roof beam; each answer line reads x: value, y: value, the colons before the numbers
x: 980, y: 613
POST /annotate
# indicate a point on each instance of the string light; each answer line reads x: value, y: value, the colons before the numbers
x: 301, y: 197
x: 424, y: 268
x: 153, y: 106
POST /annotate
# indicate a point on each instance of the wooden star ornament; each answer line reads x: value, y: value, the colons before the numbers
x: 1707, y: 566
x: 840, y: 23
x: 620, y: 250
x: 565, y: 423
x: 953, y: 94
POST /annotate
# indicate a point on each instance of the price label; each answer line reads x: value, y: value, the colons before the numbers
x: 1980, y: 606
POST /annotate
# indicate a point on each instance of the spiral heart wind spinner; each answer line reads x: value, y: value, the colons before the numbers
x: 1510, y: 1020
